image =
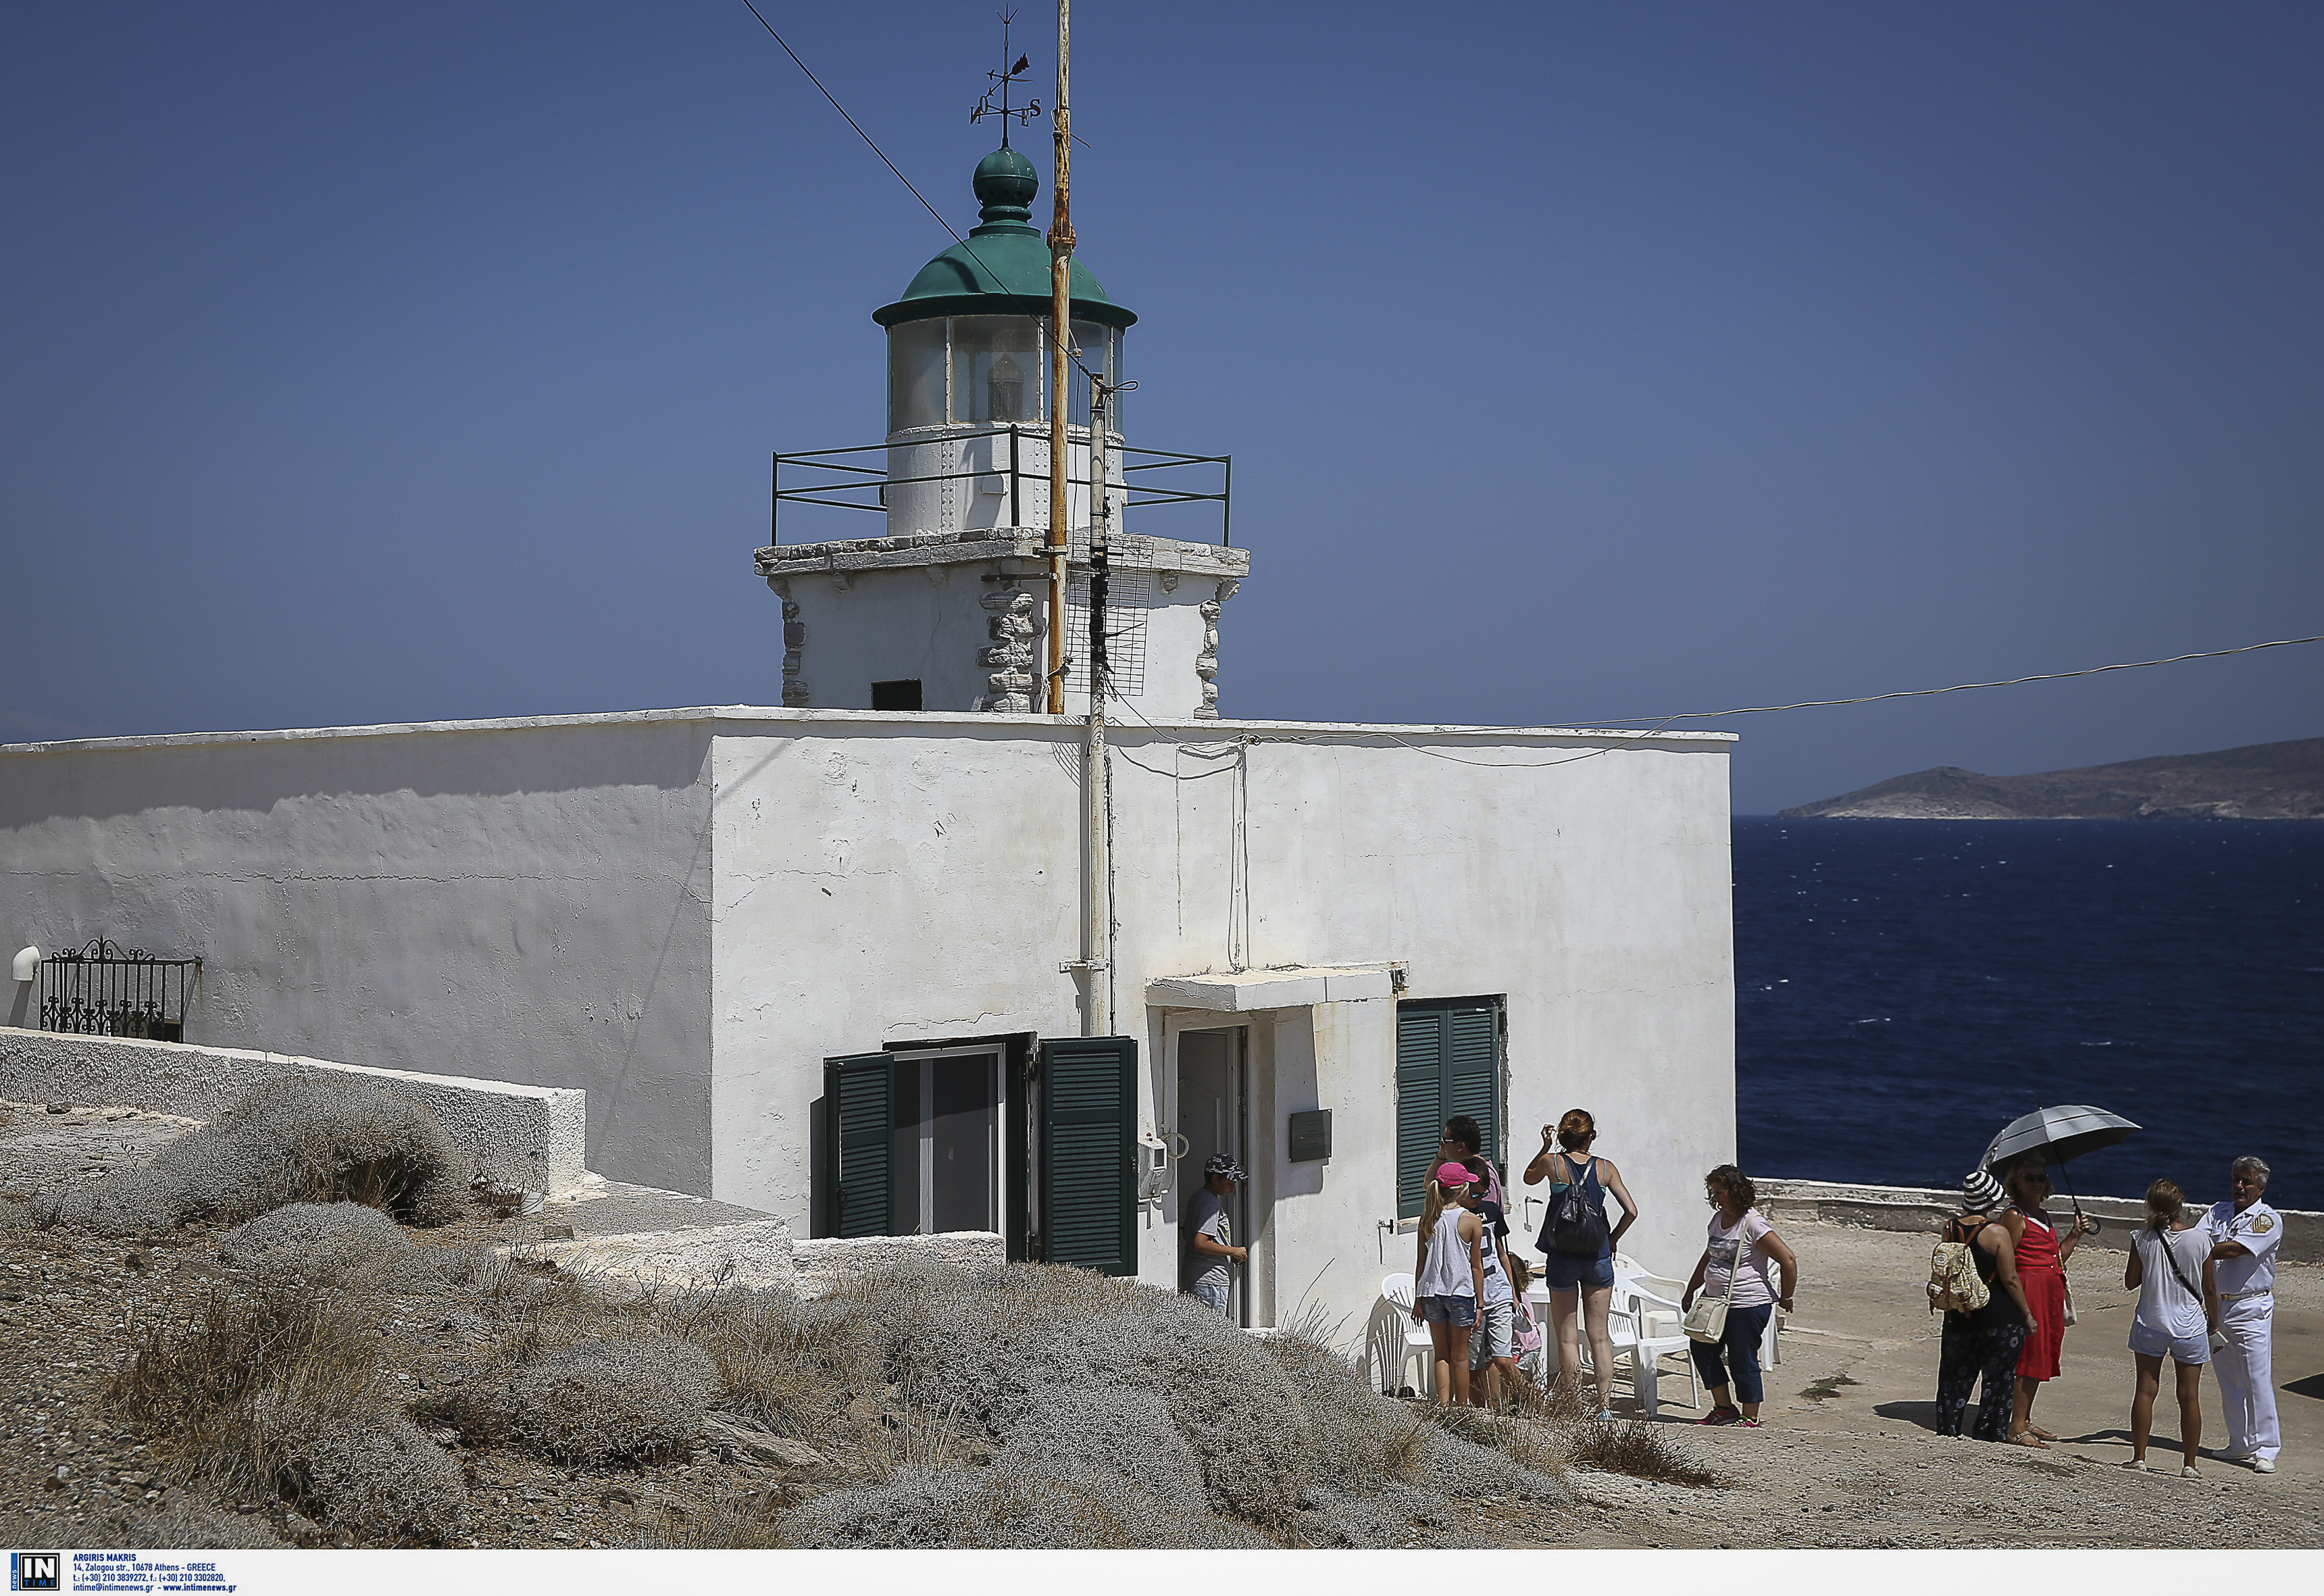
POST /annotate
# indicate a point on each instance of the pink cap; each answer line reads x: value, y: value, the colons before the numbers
x: 1452, y: 1175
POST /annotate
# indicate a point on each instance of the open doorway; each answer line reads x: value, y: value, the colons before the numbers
x: 1214, y: 1117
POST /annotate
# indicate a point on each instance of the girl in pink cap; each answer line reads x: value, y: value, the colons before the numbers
x: 1449, y: 1279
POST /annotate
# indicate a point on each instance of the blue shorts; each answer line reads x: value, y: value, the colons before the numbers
x: 1460, y: 1312
x: 1567, y: 1271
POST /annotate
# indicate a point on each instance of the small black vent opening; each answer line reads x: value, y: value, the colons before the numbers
x: 902, y: 694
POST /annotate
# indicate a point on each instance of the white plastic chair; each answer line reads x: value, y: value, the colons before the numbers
x: 1630, y: 1321
x: 1396, y: 1290
x: 1646, y: 1312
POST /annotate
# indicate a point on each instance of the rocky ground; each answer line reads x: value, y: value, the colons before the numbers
x: 1847, y: 1458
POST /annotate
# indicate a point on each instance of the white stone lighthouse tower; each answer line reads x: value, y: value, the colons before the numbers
x: 947, y: 610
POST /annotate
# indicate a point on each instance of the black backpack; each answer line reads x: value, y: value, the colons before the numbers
x: 1576, y: 1224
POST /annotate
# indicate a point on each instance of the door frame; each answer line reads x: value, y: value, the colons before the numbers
x: 1256, y: 1195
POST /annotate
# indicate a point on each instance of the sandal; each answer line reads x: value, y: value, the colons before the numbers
x: 2136, y: 1465
x: 2026, y: 1438
x: 2187, y: 1471
x: 2038, y: 1430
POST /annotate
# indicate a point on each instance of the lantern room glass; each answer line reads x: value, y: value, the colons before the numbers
x: 916, y: 376
x: 996, y: 369
x: 990, y: 370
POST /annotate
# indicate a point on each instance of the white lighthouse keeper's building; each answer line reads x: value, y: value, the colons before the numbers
x: 811, y: 960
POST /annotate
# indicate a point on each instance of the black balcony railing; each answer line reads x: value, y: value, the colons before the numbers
x: 827, y: 482
x: 104, y: 991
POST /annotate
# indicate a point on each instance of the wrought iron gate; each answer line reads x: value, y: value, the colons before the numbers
x: 104, y: 991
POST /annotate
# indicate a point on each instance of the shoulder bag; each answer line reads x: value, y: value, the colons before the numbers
x: 1707, y: 1320
x: 2171, y: 1257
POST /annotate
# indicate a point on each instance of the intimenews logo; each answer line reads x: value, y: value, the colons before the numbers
x: 35, y: 1571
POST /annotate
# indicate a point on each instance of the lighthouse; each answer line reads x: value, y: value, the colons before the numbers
x: 948, y: 610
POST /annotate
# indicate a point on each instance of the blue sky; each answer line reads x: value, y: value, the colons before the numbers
x: 422, y: 361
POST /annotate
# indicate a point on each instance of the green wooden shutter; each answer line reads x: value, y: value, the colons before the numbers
x: 1472, y: 1070
x: 860, y: 1096
x: 1448, y: 1062
x: 1419, y: 1103
x: 1089, y: 1137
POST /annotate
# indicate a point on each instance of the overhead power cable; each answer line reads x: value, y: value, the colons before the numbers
x: 867, y: 138
x: 2052, y: 675
x: 1664, y: 723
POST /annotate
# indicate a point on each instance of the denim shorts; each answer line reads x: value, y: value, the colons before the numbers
x: 1495, y: 1336
x: 1565, y: 1271
x: 1460, y: 1312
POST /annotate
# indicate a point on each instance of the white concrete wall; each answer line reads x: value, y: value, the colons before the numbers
x: 899, y: 623
x: 530, y: 1137
x: 685, y: 912
x: 910, y: 879
x: 522, y: 901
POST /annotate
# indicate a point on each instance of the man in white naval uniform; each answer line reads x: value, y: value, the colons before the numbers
x: 2244, y: 1233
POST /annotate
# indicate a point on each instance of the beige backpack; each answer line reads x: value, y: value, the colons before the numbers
x: 1954, y: 1284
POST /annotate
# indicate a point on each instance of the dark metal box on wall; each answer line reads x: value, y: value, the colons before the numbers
x: 1311, y: 1135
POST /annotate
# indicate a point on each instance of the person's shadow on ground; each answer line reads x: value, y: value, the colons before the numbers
x: 1923, y: 1413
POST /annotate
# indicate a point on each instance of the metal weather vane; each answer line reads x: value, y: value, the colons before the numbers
x: 1000, y: 83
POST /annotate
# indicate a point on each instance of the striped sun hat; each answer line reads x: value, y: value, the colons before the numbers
x: 1980, y: 1193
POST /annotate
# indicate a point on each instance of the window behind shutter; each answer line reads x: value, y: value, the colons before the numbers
x: 1419, y: 1103
x: 1448, y: 1062
x: 860, y: 1093
x: 1089, y: 1135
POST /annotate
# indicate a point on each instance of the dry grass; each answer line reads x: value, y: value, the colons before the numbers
x: 1640, y: 1449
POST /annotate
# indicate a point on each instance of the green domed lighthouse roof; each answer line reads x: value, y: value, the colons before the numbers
x: 1002, y: 268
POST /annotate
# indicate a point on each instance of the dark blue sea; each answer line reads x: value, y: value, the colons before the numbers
x: 1906, y: 987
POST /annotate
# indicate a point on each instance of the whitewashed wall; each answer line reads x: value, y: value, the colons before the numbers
x: 517, y: 900
x: 917, y: 879
x: 684, y: 912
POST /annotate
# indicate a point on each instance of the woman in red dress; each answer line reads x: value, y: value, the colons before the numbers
x: 2042, y: 1254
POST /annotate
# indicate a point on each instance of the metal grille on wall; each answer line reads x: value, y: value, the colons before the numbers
x: 1129, y: 595
x: 104, y: 991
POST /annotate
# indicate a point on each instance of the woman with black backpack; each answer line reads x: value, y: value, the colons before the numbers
x: 1580, y: 1246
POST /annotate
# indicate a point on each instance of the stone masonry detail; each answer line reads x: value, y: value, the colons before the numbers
x: 794, y: 696
x: 1207, y: 662
x: 1009, y: 657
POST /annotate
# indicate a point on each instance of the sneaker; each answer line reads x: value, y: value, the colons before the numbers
x: 2263, y: 1465
x: 2187, y: 1471
x: 1605, y: 1415
x: 1747, y: 1424
x: 1720, y: 1416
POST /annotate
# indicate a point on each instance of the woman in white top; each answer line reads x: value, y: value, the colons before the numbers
x: 1449, y: 1279
x: 1735, y: 1265
x: 2170, y: 1267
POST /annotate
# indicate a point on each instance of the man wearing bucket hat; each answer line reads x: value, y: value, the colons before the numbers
x: 1211, y: 1253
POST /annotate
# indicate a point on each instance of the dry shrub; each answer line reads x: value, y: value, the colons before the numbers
x: 322, y: 1244
x: 290, y: 1141
x: 274, y: 1394
x: 796, y: 1367
x: 1005, y: 1341
x: 1001, y: 1507
x: 179, y: 1523
x: 601, y: 1401
x: 750, y: 1523
x: 1640, y: 1449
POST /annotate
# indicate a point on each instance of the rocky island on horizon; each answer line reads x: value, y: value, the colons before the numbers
x: 2265, y: 781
